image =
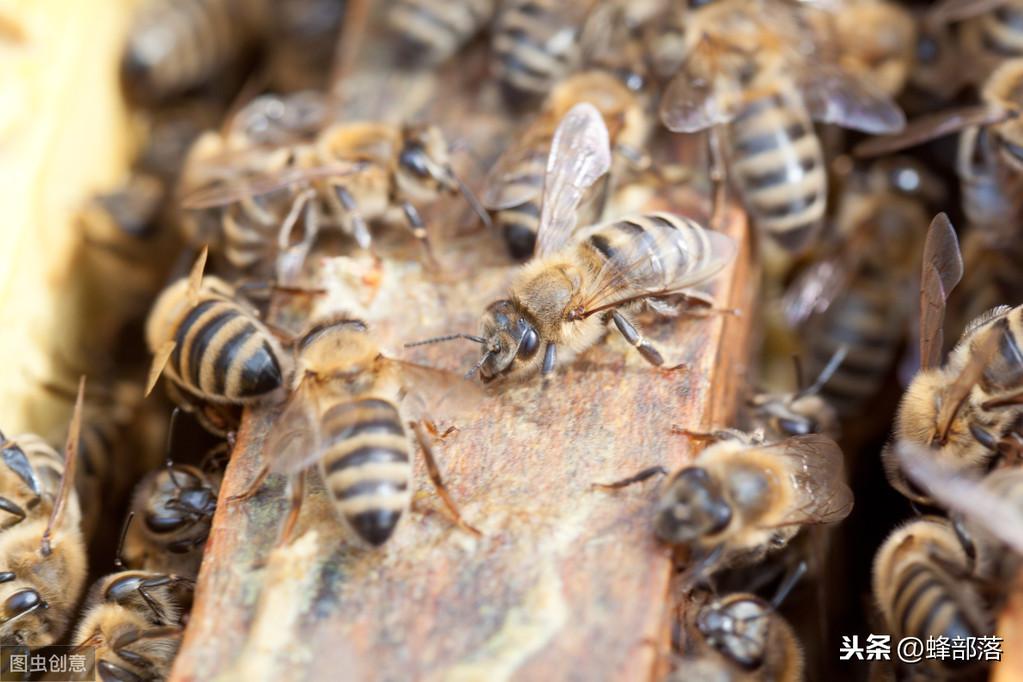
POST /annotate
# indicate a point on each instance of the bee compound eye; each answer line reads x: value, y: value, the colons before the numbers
x: 20, y: 602
x: 529, y: 344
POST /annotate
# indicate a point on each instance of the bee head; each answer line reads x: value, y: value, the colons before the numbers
x: 424, y: 163
x: 508, y: 337
x: 788, y: 417
x: 692, y: 507
x: 737, y: 627
x: 184, y: 507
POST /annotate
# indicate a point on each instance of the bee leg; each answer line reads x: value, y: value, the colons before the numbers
x: 254, y: 487
x: 297, y: 493
x: 431, y: 427
x: 788, y: 583
x: 718, y: 175
x: 1004, y: 401
x: 645, y: 348
x: 643, y: 475
x: 550, y: 359
x: 434, y: 473
x: 418, y: 229
x: 359, y: 228
x: 701, y: 571
x: 121, y: 644
x: 698, y: 304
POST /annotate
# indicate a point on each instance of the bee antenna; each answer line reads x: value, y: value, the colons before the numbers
x: 470, y: 198
x: 829, y: 370
x: 118, y: 556
x: 475, y: 368
x: 450, y: 337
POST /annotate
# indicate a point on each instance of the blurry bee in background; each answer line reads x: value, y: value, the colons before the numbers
x: 174, y: 509
x: 741, y: 499
x: 935, y: 78
x: 846, y: 299
x: 989, y: 32
x: 781, y: 415
x: 753, y: 67
x: 218, y: 419
x: 177, y: 46
x: 535, y: 43
x: 514, y: 186
x: 135, y: 619
x: 347, y: 413
x: 210, y: 344
x: 42, y: 560
x: 743, y: 637
x: 432, y: 31
x: 302, y: 38
x: 923, y: 588
x: 579, y: 281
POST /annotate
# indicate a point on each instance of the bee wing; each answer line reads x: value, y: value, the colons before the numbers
x: 814, y: 289
x: 834, y: 96
x: 67, y: 479
x: 956, y: 10
x: 931, y: 127
x: 434, y: 394
x: 230, y: 193
x: 706, y: 253
x: 580, y: 155
x: 506, y: 185
x: 160, y: 358
x: 294, y: 443
x: 942, y: 270
x: 691, y: 102
x: 819, y: 471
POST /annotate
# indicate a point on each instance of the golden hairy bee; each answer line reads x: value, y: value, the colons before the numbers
x: 923, y: 587
x: 751, y: 67
x: 135, y: 620
x: 580, y: 280
x: 210, y: 344
x: 42, y: 559
x: 347, y: 414
x: 514, y: 186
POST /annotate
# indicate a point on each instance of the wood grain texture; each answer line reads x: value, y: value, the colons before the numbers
x: 566, y: 583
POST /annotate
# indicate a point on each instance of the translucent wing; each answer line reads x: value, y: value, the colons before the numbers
x: 930, y: 127
x: 942, y: 270
x: 517, y: 177
x: 834, y: 96
x: 294, y: 443
x: 434, y: 394
x: 691, y: 103
x: 673, y: 254
x: 815, y: 289
x: 817, y: 465
x: 580, y: 155
x: 232, y: 192
x: 957, y: 10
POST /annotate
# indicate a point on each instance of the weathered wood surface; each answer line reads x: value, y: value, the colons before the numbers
x: 566, y: 583
x: 64, y: 133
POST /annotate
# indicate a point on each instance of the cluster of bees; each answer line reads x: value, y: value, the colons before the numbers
x: 252, y: 171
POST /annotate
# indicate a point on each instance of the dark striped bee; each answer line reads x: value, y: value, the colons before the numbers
x: 922, y: 586
x: 989, y: 33
x: 42, y: 559
x: 752, y: 67
x: 514, y: 187
x: 580, y: 280
x: 175, y: 46
x: 174, y: 509
x: 432, y: 31
x: 209, y: 343
x: 347, y: 413
x: 134, y: 620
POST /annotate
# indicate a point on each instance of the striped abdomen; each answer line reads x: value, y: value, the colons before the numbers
x: 366, y: 465
x: 778, y: 165
x: 864, y: 319
x: 224, y: 354
x: 518, y: 224
x: 249, y: 242
x: 534, y: 45
x: 433, y: 30
x: 1000, y: 32
x: 654, y: 252
x: 176, y: 45
x: 926, y: 603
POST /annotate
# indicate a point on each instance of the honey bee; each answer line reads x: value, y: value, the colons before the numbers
x: 175, y: 508
x: 536, y: 43
x: 432, y: 31
x: 875, y: 41
x: 741, y: 637
x: 514, y: 187
x: 42, y: 559
x: 209, y: 343
x: 31, y: 474
x: 351, y: 174
x: 579, y: 281
x: 922, y: 587
x: 846, y: 299
x: 302, y: 38
x: 781, y: 415
x: 176, y: 46
x: 741, y: 498
x: 135, y: 620
x: 347, y: 412
x: 751, y: 66
x: 989, y: 32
